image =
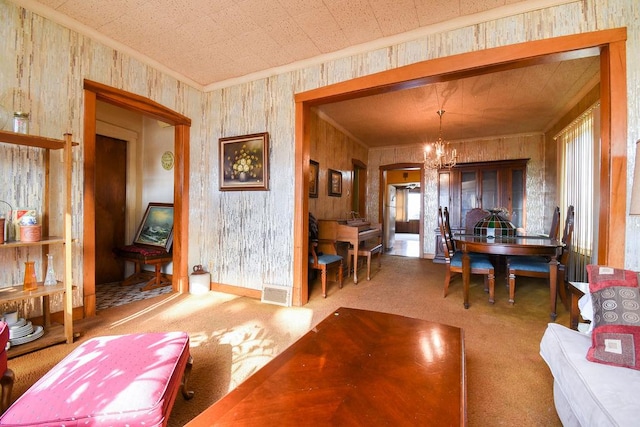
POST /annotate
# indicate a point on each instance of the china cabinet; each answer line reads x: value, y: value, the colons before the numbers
x: 12, y: 292
x: 485, y: 185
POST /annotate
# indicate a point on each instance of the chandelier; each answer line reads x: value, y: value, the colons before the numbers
x: 441, y: 158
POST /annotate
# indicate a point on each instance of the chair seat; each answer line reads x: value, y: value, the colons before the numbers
x: 477, y: 260
x: 536, y: 264
x: 526, y: 258
x: 327, y: 259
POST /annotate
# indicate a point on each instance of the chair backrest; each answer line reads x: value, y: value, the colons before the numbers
x: 445, y: 234
x: 472, y: 217
x: 555, y: 224
x: 567, y: 235
x: 447, y: 229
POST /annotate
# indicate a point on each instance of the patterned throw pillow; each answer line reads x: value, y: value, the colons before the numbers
x: 616, y: 316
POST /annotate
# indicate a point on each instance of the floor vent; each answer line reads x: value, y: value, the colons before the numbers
x: 276, y: 294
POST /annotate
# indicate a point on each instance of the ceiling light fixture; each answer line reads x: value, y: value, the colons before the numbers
x: 441, y: 157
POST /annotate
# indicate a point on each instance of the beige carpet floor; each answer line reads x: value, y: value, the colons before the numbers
x: 508, y: 384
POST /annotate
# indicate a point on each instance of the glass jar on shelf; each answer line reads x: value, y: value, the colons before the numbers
x: 21, y: 122
x: 50, y: 278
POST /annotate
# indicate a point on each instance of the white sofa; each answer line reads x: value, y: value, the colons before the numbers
x: 588, y: 393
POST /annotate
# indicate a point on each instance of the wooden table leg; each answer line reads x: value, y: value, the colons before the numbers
x: 574, y: 310
x: 466, y: 272
x: 553, y: 291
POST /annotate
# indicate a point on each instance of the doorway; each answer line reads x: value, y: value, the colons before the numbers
x: 94, y: 92
x: 402, y: 214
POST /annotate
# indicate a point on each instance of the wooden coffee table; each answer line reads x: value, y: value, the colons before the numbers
x: 356, y: 367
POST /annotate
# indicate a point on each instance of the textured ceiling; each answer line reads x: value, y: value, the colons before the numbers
x: 520, y: 101
x: 208, y: 43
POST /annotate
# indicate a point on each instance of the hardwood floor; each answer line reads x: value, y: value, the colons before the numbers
x: 406, y: 244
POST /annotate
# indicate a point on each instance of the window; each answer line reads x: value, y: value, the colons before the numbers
x: 580, y: 148
x: 413, y: 206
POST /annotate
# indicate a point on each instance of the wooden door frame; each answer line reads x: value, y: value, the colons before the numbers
x: 382, y: 194
x: 94, y: 92
x: 361, y: 191
x: 610, y: 44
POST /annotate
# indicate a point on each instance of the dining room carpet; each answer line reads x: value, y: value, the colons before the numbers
x: 114, y: 294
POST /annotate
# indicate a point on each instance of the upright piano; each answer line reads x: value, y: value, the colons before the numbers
x: 353, y: 232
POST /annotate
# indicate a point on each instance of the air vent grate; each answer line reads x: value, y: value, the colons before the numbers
x: 276, y: 294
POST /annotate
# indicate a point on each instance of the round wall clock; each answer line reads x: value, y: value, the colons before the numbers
x: 167, y: 160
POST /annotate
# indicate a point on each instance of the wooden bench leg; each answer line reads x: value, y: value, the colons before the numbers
x: 6, y: 384
x: 158, y: 280
x: 186, y: 393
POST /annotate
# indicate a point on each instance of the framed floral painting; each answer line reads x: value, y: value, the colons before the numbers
x: 244, y: 162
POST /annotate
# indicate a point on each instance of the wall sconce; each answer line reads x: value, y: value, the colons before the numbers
x: 634, y: 209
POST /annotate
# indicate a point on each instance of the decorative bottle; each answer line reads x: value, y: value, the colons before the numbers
x: 50, y: 278
x: 30, y: 281
x: 11, y: 230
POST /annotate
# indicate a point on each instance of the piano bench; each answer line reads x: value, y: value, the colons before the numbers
x: 366, y: 251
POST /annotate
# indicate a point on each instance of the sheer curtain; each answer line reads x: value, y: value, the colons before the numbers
x: 402, y: 205
x: 580, y: 142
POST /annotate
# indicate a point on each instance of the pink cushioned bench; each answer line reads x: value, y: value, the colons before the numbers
x: 125, y: 380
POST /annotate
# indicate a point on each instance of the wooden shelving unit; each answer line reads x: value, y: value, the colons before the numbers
x: 53, y: 334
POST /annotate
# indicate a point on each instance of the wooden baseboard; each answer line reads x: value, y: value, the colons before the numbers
x: 236, y: 290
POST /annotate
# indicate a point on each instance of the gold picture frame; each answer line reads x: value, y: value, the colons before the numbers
x: 314, y: 168
x: 244, y: 162
x: 335, y: 183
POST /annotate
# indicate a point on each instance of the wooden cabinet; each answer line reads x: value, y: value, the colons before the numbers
x: 486, y: 185
x: 10, y: 292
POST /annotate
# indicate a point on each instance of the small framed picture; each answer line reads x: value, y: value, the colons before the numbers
x: 335, y: 183
x: 156, y: 228
x: 244, y: 162
x: 314, y: 168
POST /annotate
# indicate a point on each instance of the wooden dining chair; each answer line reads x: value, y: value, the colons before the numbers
x: 555, y: 223
x: 324, y: 262
x: 531, y: 266
x: 479, y: 263
x: 473, y: 217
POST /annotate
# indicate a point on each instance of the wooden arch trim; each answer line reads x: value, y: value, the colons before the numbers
x: 94, y: 92
x: 609, y: 43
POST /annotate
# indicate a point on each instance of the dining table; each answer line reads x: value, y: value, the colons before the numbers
x: 536, y: 245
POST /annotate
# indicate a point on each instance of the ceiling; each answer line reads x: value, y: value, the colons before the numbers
x: 210, y: 44
x: 520, y: 101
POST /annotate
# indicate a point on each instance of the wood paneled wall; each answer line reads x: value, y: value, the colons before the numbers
x: 333, y: 149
